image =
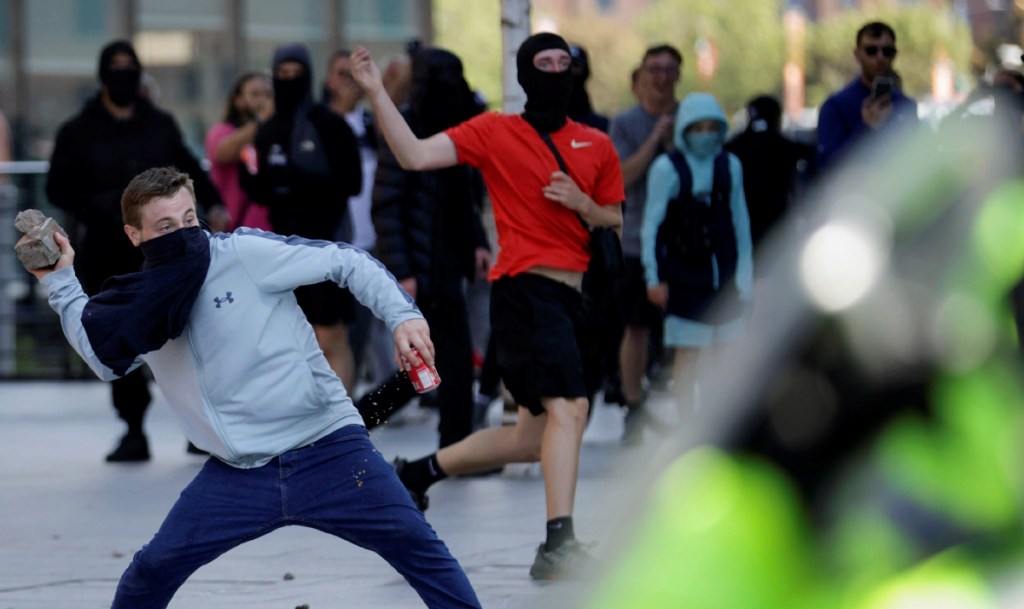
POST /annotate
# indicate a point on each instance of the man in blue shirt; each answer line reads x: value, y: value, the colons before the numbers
x: 871, y: 103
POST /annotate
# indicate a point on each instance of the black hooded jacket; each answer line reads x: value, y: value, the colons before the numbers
x: 308, y: 166
x: 94, y: 158
x: 428, y: 223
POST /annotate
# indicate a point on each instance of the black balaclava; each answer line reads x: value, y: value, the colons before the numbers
x: 291, y: 93
x: 439, y: 96
x: 547, y: 93
x: 579, y: 102
x: 765, y: 114
x: 123, y: 84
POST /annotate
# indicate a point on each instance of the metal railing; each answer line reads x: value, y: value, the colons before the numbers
x: 32, y: 344
x: 8, y: 270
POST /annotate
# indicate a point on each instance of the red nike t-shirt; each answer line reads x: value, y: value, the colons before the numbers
x: 517, y: 165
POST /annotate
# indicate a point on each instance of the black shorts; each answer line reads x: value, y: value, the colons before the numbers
x: 326, y: 304
x: 538, y: 329
x: 636, y: 309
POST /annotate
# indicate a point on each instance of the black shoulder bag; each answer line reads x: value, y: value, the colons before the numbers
x: 606, y: 261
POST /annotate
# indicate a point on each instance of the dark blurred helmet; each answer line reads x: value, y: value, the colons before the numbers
x: 580, y: 62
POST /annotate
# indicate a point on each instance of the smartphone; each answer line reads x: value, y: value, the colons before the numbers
x: 882, y: 86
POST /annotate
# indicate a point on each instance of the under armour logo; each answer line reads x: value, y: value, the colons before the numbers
x: 227, y: 298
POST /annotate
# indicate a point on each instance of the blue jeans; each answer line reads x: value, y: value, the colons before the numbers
x: 339, y: 485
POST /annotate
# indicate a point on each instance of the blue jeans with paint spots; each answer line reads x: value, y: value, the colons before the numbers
x: 339, y: 485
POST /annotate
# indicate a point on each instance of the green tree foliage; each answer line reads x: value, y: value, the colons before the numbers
x: 747, y: 37
x: 614, y: 53
x: 472, y: 30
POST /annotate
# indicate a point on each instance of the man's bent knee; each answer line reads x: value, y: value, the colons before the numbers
x: 568, y: 412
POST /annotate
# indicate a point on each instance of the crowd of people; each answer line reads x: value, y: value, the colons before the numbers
x: 338, y: 230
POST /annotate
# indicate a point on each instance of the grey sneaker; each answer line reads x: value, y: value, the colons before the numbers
x: 568, y: 561
x: 419, y: 498
x: 633, y: 424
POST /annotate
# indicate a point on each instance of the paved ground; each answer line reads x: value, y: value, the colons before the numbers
x: 71, y: 522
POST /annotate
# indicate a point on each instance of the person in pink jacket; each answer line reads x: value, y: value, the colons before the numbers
x: 229, y: 143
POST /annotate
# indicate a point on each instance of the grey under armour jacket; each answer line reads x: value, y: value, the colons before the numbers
x: 247, y: 380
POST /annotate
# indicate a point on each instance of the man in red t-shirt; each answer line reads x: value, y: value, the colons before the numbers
x: 536, y: 305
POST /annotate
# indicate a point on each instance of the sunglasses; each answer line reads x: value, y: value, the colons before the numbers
x: 888, y: 52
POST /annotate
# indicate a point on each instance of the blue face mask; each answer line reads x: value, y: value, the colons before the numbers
x: 703, y: 145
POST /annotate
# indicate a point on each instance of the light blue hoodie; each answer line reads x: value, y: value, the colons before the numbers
x: 663, y: 187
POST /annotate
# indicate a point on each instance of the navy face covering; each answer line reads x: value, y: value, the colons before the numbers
x: 139, y: 312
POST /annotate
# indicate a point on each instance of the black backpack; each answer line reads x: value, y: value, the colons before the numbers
x: 695, y: 232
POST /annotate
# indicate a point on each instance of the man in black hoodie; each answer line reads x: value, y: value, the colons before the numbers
x: 772, y: 165
x: 429, y: 232
x: 308, y: 166
x: 580, y: 109
x: 117, y: 135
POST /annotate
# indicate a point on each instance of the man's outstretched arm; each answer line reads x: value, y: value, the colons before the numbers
x: 435, y: 152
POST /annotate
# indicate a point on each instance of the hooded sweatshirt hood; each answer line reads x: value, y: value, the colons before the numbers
x: 122, y: 84
x: 291, y: 93
x: 697, y: 107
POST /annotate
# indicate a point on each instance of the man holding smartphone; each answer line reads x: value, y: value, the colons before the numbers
x: 871, y: 103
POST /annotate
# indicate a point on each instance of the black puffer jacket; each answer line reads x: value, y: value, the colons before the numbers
x: 427, y: 222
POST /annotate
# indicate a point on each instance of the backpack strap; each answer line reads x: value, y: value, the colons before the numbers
x: 721, y: 187
x: 683, y: 171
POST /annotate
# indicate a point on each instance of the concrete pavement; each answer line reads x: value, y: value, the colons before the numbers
x: 72, y: 522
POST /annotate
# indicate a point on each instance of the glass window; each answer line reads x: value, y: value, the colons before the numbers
x: 6, y: 71
x: 63, y: 39
x: 393, y: 21
x: 270, y: 23
x: 89, y: 18
x: 186, y: 52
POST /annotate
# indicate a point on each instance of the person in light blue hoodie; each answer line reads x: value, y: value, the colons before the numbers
x: 695, y: 237
x: 216, y: 319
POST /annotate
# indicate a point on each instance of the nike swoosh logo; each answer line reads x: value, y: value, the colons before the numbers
x: 576, y: 144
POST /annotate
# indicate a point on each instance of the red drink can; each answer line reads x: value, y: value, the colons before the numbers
x: 423, y: 376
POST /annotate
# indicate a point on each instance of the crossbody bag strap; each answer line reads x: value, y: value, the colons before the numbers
x: 561, y: 164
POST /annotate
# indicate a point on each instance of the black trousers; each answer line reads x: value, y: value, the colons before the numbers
x: 446, y: 311
x: 130, y: 393
x: 131, y: 398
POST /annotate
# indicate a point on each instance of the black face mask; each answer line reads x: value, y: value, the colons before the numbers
x: 290, y: 93
x: 123, y: 86
x: 547, y: 93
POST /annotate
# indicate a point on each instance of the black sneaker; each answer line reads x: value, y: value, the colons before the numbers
x: 132, y: 448
x: 568, y: 561
x: 419, y: 498
x: 613, y: 392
